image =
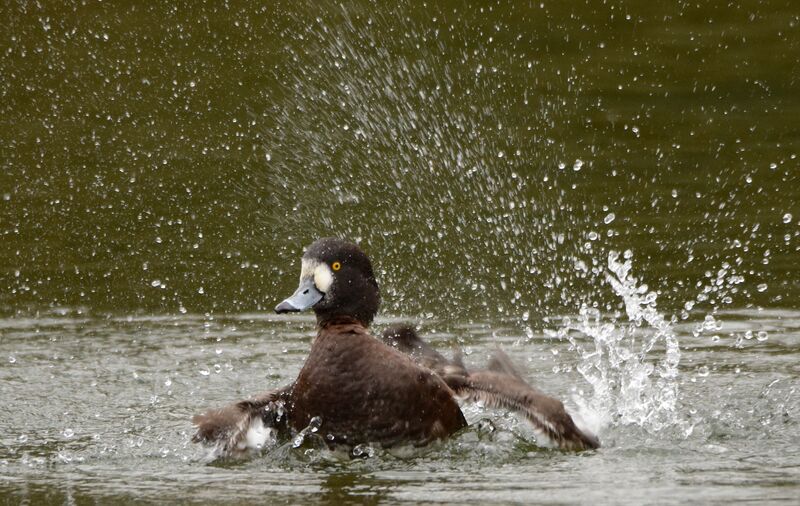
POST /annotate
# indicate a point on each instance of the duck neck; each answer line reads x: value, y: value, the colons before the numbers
x: 327, y: 321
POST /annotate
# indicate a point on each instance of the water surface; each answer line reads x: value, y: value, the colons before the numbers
x: 101, y: 408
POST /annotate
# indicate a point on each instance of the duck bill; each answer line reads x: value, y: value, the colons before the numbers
x: 303, y: 298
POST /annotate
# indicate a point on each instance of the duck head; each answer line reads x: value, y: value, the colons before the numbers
x: 336, y: 280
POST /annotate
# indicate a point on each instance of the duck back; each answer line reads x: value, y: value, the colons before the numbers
x: 363, y: 391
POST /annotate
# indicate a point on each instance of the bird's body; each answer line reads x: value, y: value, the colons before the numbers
x: 354, y: 388
x: 366, y: 392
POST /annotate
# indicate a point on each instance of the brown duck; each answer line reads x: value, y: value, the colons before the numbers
x: 355, y: 389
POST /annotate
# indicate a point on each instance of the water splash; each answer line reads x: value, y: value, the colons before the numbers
x: 401, y: 144
x: 312, y: 428
x: 632, y: 365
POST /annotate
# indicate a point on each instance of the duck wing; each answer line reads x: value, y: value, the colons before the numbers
x: 501, y: 363
x: 404, y: 338
x: 226, y: 428
x: 502, y: 386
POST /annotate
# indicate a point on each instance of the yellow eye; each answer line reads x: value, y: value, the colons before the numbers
x: 336, y: 266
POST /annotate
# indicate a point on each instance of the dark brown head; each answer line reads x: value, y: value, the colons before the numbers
x: 336, y: 280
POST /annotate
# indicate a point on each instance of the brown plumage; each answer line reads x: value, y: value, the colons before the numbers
x: 500, y: 386
x: 357, y: 389
x: 227, y: 427
x: 405, y: 339
x: 546, y: 414
x: 364, y: 391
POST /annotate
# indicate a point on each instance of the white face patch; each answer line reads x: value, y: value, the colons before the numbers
x: 320, y: 272
x: 323, y: 278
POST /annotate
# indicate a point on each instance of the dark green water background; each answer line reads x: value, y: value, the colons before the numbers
x: 198, y: 146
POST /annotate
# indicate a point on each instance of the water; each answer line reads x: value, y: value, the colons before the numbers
x: 190, y: 153
x: 100, y: 407
x: 682, y: 417
x: 607, y: 192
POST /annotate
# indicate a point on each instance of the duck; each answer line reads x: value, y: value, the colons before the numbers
x: 356, y: 389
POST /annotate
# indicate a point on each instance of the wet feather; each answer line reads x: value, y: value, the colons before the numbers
x: 226, y: 428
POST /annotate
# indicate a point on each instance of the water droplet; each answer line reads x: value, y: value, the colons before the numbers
x: 68, y: 433
x: 592, y: 235
x: 155, y: 283
x: 205, y: 372
x: 609, y: 218
x: 762, y: 287
x: 363, y: 450
x: 578, y: 165
x: 12, y: 359
x: 192, y: 84
x: 762, y: 335
x: 703, y: 371
x: 500, y: 154
x: 787, y: 218
x: 23, y: 438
